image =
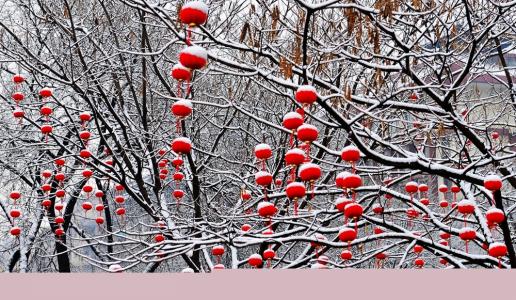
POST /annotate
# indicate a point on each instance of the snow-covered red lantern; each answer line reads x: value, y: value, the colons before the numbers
x: 493, y: 182
x: 15, y: 231
x: 158, y: 238
x: 378, y: 230
x: 87, y: 173
x: 418, y: 249
x: 177, y: 162
x: 307, y: 133
x: 84, y: 135
x: 60, y: 177
x: 85, y: 153
x: 295, y: 190
x: 411, y: 187
x: 455, y: 189
x: 266, y: 209
x: 87, y: 188
x: 497, y: 249
x: 292, y: 120
x: 419, y: 262
x: 18, y: 113
x: 182, y: 108
x: 443, y: 188
x: 495, y: 215
x: 377, y: 209
x: 181, y: 145
x: 46, y: 111
x: 306, y: 94
x: 18, y: 96
x: 263, y: 178
x: 414, y: 96
x: 15, y: 213
x: 84, y: 116
x: 46, y: 173
x: 120, y: 211
x: 347, y: 234
x: 59, y: 162
x: 346, y: 180
x: 87, y: 206
x: 59, y: 231
x: 425, y: 201
x: 194, y: 13
x: 46, y: 129
x: 99, y: 207
x: 60, y: 193
x: 443, y: 203
x: 353, y: 210
x: 255, y: 260
x: 269, y: 254
x: 444, y: 235
x: 423, y: 188
x: 350, y: 153
x: 262, y: 151
x: 46, y: 187
x: 178, y: 194
x: 309, y: 172
x: 181, y: 73
x: 45, y: 92
x: 58, y: 206
x: 15, y: 195
x: 341, y: 203
x: 346, y: 255
x: 119, y: 199
x: 245, y: 227
x: 59, y: 220
x: 178, y: 176
x: 99, y: 220
x: 467, y: 234
x: 193, y: 57
x: 18, y: 78
x: 245, y: 195
x: 466, y: 207
x: 412, y: 213
x: 295, y: 157
x: 99, y: 194
x: 217, y: 250
x: 46, y: 203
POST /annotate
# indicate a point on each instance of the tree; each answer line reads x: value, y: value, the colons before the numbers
x: 422, y: 90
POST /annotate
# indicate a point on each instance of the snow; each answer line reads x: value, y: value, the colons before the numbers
x: 183, y: 139
x: 198, y: 5
x: 492, y: 177
x: 179, y: 66
x: 465, y: 229
x: 296, y: 151
x: 196, y: 51
x: 496, y: 244
x: 184, y: 102
x: 295, y: 184
x: 187, y: 270
x: 466, y: 202
x: 307, y: 88
x: 307, y: 126
x: 308, y: 165
x: 263, y: 146
x: 264, y: 204
x: 292, y: 115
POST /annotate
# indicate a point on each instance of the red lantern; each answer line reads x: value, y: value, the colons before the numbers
x: 381, y: 256
x: 181, y: 73
x: 60, y: 177
x: 46, y: 173
x: 306, y: 94
x: 350, y: 153
x: 178, y: 176
x: 346, y: 255
x: 455, y: 189
x: 87, y: 206
x: 99, y: 194
x: 181, y: 145
x: 119, y: 187
x: 295, y: 190
x: 60, y: 193
x: 353, y: 210
x: 467, y: 234
x: 378, y: 230
x: 495, y: 135
x: 59, y: 162
x: 119, y: 199
x: 194, y: 13
x: 378, y: 209
x: 307, y: 133
x: 46, y: 203
x: 99, y: 207
x: 18, y: 78
x: 309, y: 172
x: 18, y: 113
x: 177, y: 162
x: 262, y: 151
x: 414, y: 96
x: 87, y: 173
x: 59, y: 231
x: 85, y: 135
x: 443, y: 188
x: 493, y: 182
x: 84, y: 116
x: 411, y: 187
x: 444, y: 235
x: 18, y: 96
x: 178, y: 194
x: 99, y: 220
x: 412, y: 213
x: 419, y: 262
x: 346, y: 180
x: 245, y: 227
x: 15, y: 195
x: 158, y: 238
x: 46, y: 92
x: 120, y: 211
x: 466, y: 207
x: 255, y: 260
x: 85, y: 153
x: 46, y: 129
x: 497, y: 249
x: 59, y: 220
x: 266, y: 209
x: 245, y: 195
x: 495, y: 215
x: 425, y: 201
x: 193, y: 57
x: 15, y: 231
x: 347, y: 234
x: 418, y: 249
x: 423, y: 188
x: 294, y: 157
x: 59, y: 206
x: 182, y: 108
x: 15, y: 213
x: 87, y: 188
x: 443, y: 203
x: 46, y: 111
x: 46, y: 187
x: 217, y: 250
x: 269, y: 254
x: 263, y: 178
x: 292, y: 120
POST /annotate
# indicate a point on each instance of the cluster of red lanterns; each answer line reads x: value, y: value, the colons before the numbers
x: 15, y: 213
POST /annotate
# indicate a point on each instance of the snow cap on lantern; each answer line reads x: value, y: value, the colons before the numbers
x: 181, y: 145
x: 295, y: 190
x: 497, y: 249
x: 255, y: 260
x: 45, y: 92
x: 194, y: 13
x: 411, y: 187
x: 182, y: 108
x: 193, y: 57
x: 309, y: 172
x: 266, y: 209
x: 307, y: 133
x: 466, y: 207
x: 341, y: 203
x: 292, y: 120
x: 353, y: 210
x: 423, y: 188
x: 350, y: 153
x: 294, y: 156
x: 467, y: 233
x: 493, y: 182
x: 262, y: 151
x: 495, y: 215
x: 181, y: 73
x: 347, y: 234
x: 263, y: 178
x: 306, y: 94
x: 346, y: 180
